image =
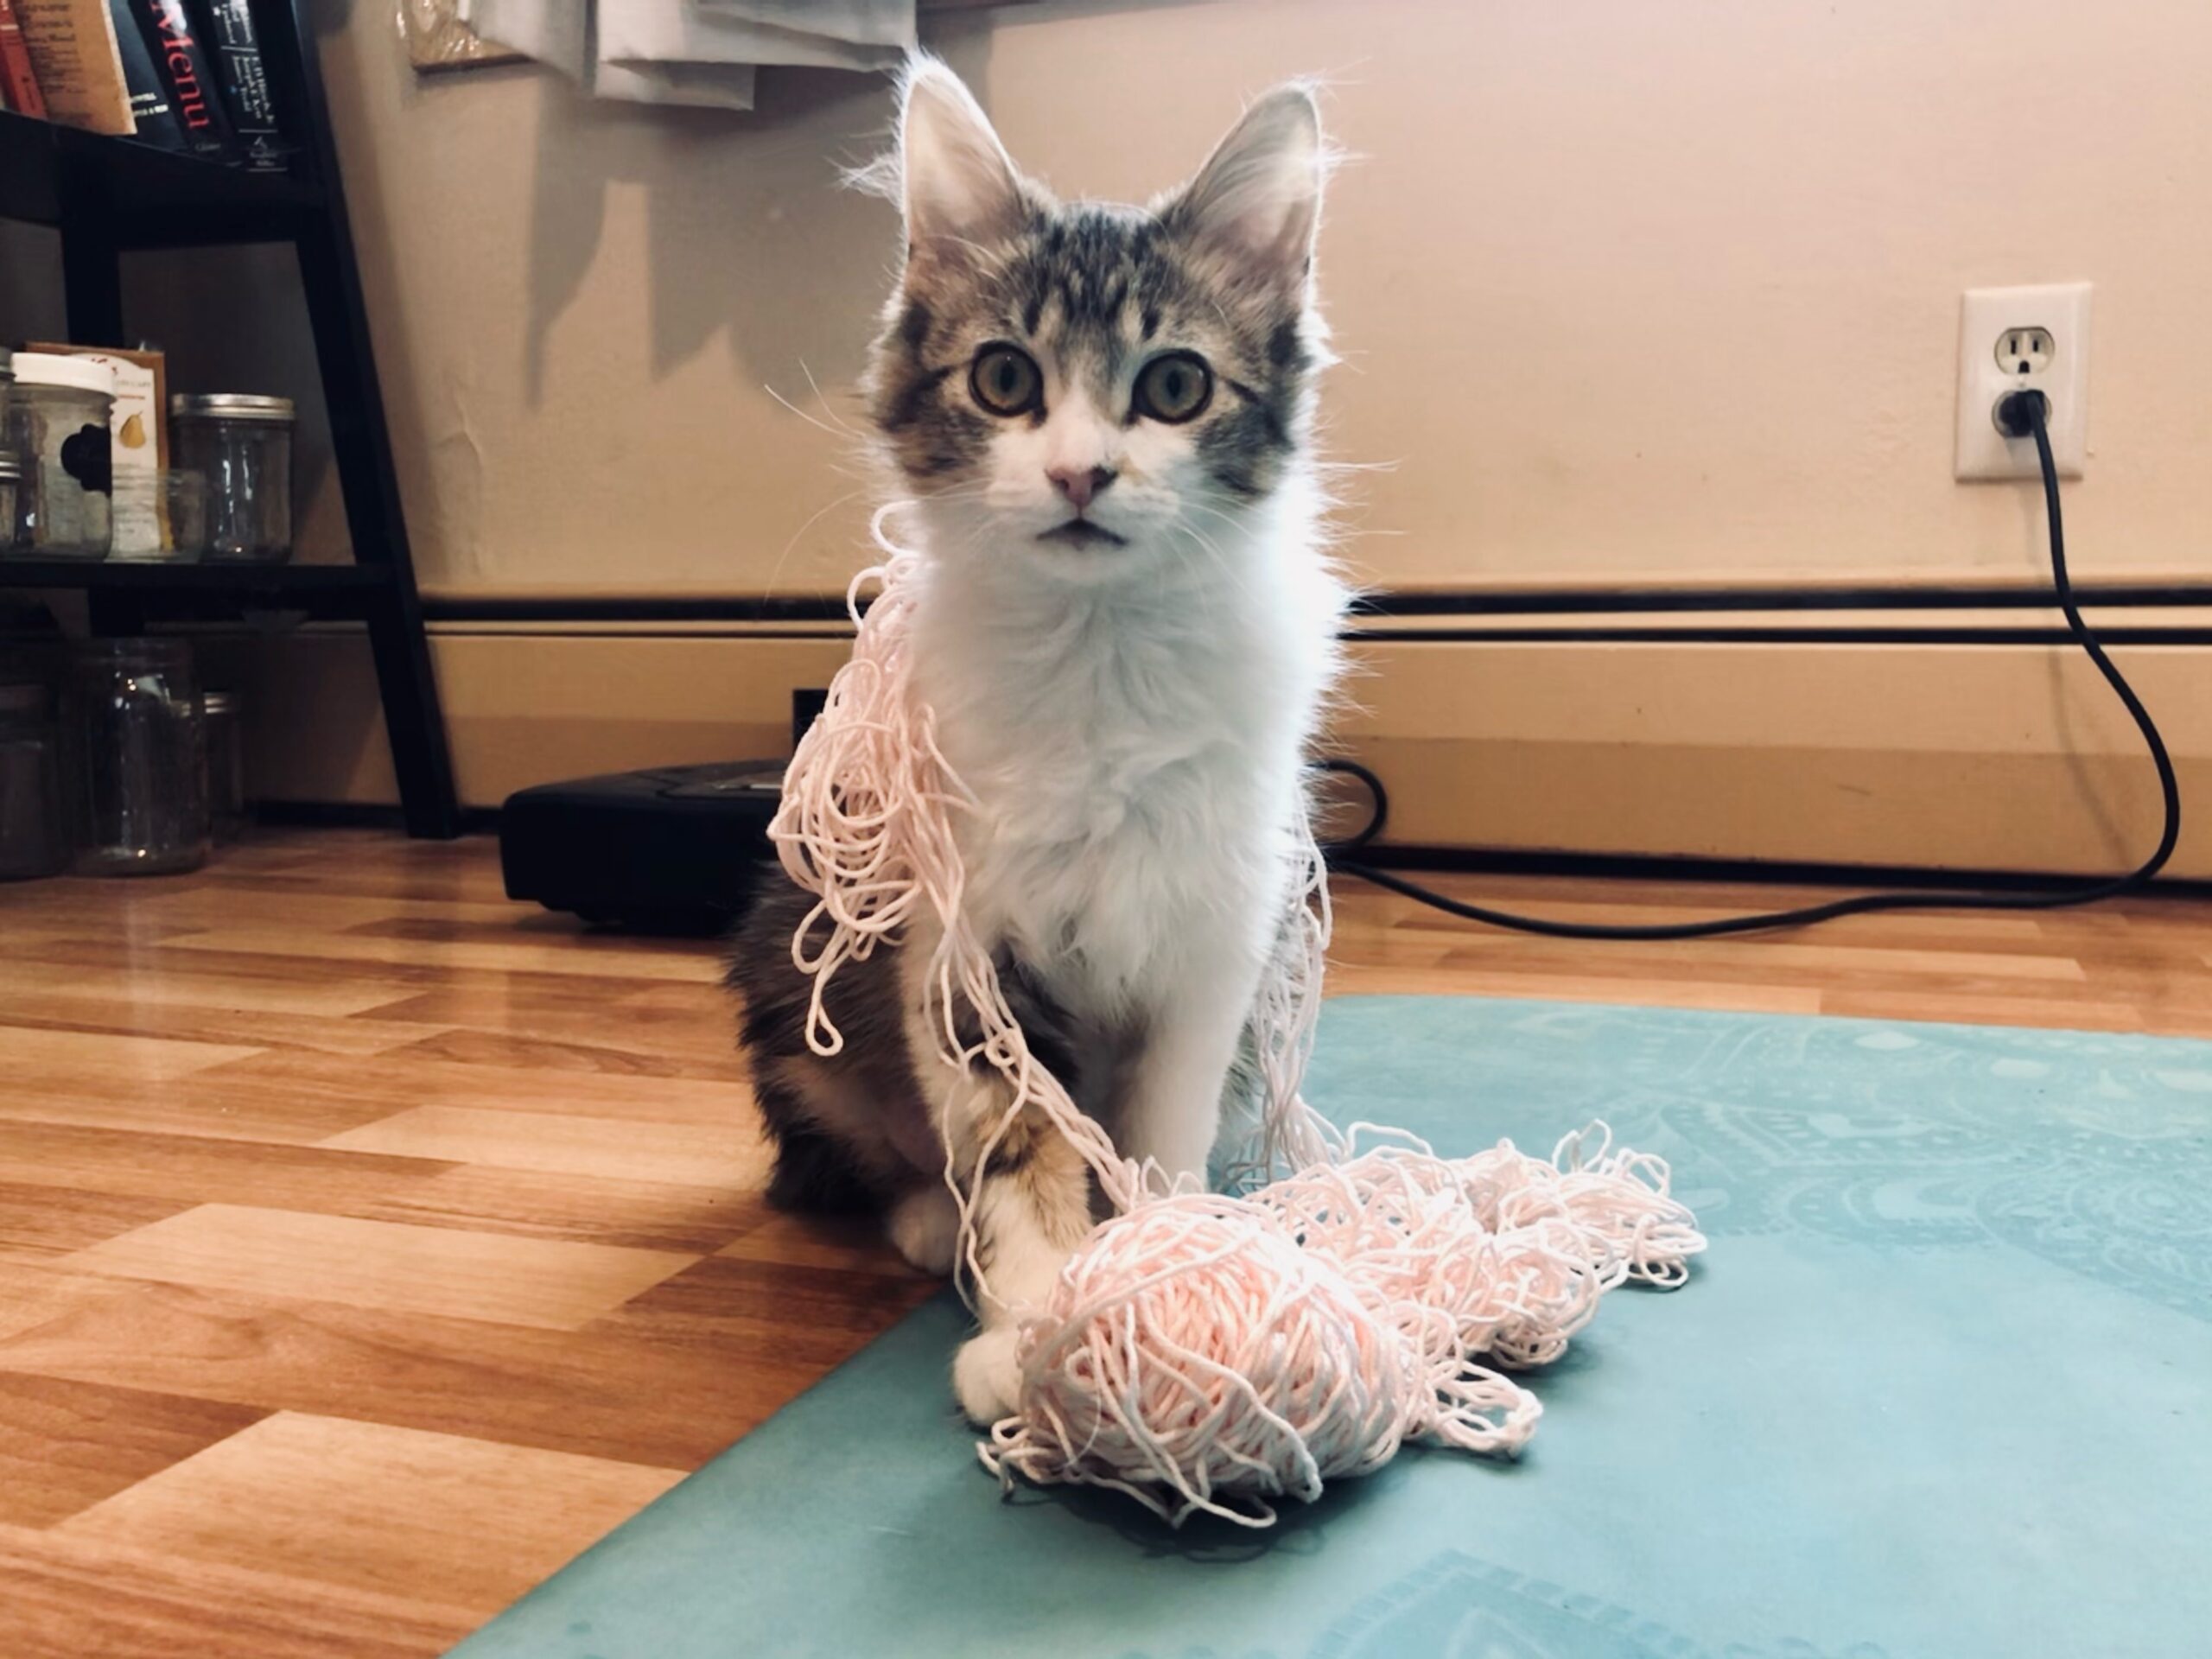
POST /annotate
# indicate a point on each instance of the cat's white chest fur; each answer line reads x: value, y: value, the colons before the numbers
x: 1135, y: 751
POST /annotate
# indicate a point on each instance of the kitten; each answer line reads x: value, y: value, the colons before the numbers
x: 1126, y: 628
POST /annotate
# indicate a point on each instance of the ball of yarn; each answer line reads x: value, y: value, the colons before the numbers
x: 1202, y: 1353
x: 1192, y: 1353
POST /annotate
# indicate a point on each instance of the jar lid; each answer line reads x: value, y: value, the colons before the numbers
x: 75, y: 373
x: 22, y: 699
x: 232, y: 406
x: 220, y: 702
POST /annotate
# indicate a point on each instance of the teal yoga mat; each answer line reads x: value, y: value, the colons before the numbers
x: 1939, y: 1391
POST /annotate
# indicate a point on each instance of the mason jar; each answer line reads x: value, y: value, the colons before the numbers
x: 226, y: 744
x: 137, y: 770
x: 12, y: 487
x: 31, y: 839
x: 57, y: 427
x: 243, y: 445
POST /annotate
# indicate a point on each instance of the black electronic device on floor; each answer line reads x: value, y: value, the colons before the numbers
x: 675, y: 849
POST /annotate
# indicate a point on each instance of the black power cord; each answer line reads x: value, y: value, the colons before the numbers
x: 2022, y: 414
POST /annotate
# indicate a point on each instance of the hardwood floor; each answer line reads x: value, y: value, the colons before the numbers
x: 370, y: 1245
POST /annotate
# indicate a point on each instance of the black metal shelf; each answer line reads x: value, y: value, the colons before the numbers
x: 132, y: 594
x: 155, y: 197
x: 151, y: 576
x: 108, y: 195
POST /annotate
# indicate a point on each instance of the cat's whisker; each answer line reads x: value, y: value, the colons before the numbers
x: 842, y: 426
x: 768, y: 587
x: 819, y: 426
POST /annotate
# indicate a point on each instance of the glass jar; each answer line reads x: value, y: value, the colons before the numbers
x: 31, y: 842
x: 226, y: 765
x: 11, y: 484
x: 138, y: 754
x: 244, y: 447
x: 57, y: 425
x: 174, y: 504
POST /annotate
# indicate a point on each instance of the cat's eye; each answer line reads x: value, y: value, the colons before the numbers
x: 1005, y: 380
x: 1174, y: 387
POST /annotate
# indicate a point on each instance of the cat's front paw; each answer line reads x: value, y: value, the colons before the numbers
x: 985, y: 1377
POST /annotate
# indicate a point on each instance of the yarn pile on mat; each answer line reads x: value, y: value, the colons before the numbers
x: 1213, y: 1354
x: 1207, y: 1353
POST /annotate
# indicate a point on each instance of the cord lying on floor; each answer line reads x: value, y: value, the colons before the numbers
x: 2022, y: 415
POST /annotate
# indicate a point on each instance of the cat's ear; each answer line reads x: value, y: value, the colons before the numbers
x: 1257, y: 200
x: 958, y: 184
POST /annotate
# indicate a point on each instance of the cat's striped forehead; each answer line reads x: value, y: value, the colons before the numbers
x: 1093, y: 291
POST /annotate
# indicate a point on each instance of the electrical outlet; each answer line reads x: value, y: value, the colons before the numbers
x: 2023, y: 339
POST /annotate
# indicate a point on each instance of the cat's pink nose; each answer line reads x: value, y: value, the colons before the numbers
x: 1080, y: 484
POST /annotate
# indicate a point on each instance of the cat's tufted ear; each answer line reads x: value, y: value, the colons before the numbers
x: 1256, y: 203
x: 958, y: 184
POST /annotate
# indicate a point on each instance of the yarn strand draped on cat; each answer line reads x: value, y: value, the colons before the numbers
x: 1126, y: 624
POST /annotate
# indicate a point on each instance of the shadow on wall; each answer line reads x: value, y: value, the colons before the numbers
x: 753, y: 199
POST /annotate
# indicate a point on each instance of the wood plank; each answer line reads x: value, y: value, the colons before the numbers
x: 611, y: 1391
x: 198, y: 1169
x: 714, y: 1105
x: 42, y: 1223
x: 550, y: 956
x: 151, y: 978
x: 567, y: 1144
x: 32, y: 1294
x: 639, y: 1050
x: 34, y: 1056
x: 369, y: 1507
x: 443, y: 1270
x: 238, y: 1102
x: 64, y: 1446
x: 192, y: 1020
x: 70, y: 1597
x: 587, y: 1209
x: 820, y: 1317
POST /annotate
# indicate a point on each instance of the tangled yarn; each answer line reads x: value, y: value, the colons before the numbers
x: 1206, y: 1353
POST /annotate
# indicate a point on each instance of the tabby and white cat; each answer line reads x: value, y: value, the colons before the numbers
x: 1126, y: 627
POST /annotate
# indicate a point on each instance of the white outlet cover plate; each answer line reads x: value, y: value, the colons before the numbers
x: 2062, y: 308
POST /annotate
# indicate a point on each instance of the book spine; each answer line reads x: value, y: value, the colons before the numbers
x: 73, y: 47
x: 193, y: 92
x: 227, y: 32
x: 150, y: 112
x: 18, y: 84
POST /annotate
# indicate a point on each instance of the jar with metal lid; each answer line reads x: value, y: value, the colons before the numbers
x: 243, y: 445
x: 31, y: 839
x: 227, y: 812
x: 137, y: 770
x: 57, y: 426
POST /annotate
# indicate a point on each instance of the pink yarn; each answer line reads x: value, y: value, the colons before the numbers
x: 1203, y: 1352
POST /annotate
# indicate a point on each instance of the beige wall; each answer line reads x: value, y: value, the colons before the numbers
x: 1629, y: 291
x: 1661, y: 291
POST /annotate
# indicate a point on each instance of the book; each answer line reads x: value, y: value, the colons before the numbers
x: 226, y: 31
x: 194, y: 97
x: 80, y: 70
x: 150, y: 113
x: 18, y: 80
